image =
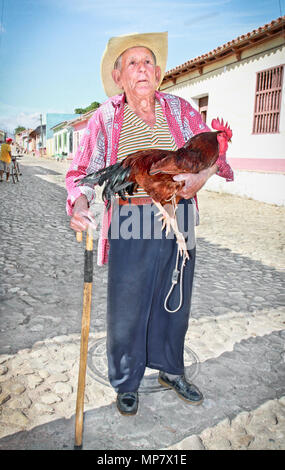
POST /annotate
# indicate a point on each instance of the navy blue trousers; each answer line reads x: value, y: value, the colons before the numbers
x: 140, y: 332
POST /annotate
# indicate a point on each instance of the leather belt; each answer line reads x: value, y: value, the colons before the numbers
x: 135, y: 200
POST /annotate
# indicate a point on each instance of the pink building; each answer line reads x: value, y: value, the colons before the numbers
x: 32, y: 142
x: 23, y: 139
x: 79, y: 125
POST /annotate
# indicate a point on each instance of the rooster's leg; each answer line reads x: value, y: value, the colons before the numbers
x: 166, y: 215
x: 169, y: 221
x: 180, y: 239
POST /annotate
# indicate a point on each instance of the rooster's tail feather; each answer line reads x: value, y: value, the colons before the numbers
x: 115, y: 178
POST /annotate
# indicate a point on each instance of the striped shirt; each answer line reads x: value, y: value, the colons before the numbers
x: 137, y: 135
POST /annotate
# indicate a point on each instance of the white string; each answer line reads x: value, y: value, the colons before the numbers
x: 174, y: 281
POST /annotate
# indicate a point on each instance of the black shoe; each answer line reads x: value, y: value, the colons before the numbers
x: 127, y: 403
x: 185, y: 390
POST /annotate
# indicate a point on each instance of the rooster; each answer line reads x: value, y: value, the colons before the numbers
x: 153, y: 170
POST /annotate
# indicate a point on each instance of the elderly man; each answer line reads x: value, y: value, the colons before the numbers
x: 140, y: 331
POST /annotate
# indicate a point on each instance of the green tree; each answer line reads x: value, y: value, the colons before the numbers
x: 93, y: 105
x: 19, y: 129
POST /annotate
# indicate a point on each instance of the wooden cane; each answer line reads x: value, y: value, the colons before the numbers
x: 79, y: 236
x: 85, y: 325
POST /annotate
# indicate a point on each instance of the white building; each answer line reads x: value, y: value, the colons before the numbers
x: 62, y: 140
x: 242, y: 82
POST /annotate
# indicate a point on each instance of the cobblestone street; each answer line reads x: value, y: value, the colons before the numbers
x: 235, y: 347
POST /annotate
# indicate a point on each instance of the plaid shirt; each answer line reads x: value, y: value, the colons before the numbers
x: 99, y: 147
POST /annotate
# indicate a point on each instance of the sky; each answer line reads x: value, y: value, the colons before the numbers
x: 50, y: 50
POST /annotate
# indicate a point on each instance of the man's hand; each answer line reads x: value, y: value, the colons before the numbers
x: 81, y: 218
x: 194, y: 181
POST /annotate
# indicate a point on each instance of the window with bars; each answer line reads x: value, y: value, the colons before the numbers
x: 267, y: 105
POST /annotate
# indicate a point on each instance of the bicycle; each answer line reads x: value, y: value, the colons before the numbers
x: 15, y: 170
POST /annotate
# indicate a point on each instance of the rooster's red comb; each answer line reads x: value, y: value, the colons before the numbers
x: 220, y: 126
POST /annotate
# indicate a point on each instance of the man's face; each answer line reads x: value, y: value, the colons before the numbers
x: 138, y: 75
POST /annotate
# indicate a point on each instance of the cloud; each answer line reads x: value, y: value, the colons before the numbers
x: 12, y: 116
x: 203, y: 17
x: 10, y: 120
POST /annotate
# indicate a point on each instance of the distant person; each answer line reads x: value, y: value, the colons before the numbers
x: 5, y: 159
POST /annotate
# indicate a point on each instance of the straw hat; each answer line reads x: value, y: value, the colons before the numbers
x: 156, y: 42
